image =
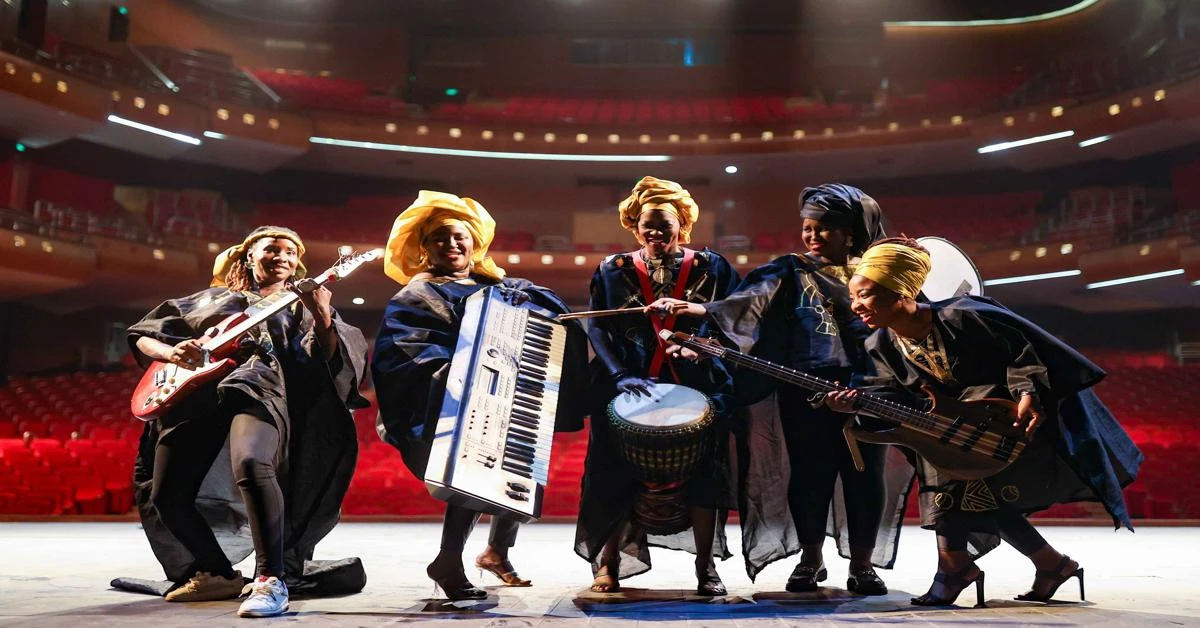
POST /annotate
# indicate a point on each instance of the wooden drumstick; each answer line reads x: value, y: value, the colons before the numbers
x: 599, y: 313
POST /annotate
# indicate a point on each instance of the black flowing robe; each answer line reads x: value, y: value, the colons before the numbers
x: 288, y: 382
x: 412, y: 357
x: 1080, y: 453
x: 792, y: 312
x: 609, y: 488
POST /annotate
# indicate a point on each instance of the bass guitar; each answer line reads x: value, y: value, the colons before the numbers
x: 164, y: 384
x: 966, y: 440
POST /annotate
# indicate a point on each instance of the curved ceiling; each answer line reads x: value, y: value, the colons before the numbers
x: 533, y: 15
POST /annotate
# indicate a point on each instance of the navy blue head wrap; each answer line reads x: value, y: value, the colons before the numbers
x: 847, y: 208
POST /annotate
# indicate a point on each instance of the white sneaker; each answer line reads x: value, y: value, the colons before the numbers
x: 205, y: 587
x: 268, y: 598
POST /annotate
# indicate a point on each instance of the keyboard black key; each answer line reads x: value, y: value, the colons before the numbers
x: 518, y: 401
x: 530, y: 383
x: 518, y: 456
x: 526, y: 415
x: 521, y: 447
x: 522, y: 436
x: 525, y: 473
x: 525, y: 423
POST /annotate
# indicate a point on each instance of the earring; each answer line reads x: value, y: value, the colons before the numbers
x: 849, y: 242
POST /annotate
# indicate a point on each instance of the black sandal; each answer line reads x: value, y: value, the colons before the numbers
x: 1057, y: 578
x: 805, y: 578
x: 953, y: 581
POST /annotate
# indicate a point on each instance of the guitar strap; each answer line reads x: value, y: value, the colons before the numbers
x: 685, y: 268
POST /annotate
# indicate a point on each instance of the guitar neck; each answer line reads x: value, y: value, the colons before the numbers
x: 257, y: 313
x: 873, y: 404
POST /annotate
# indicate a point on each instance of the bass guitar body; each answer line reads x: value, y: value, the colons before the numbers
x: 974, y: 440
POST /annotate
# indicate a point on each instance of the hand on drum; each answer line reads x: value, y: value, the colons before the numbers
x: 842, y: 401
x: 665, y: 307
x: 634, y: 385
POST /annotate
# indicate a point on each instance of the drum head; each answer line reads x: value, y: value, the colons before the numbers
x: 669, y: 406
x: 951, y: 272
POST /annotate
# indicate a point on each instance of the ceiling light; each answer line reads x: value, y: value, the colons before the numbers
x: 991, y: 148
x: 731, y: 169
x: 1024, y: 278
x: 457, y: 152
x: 1095, y: 140
x: 1040, y: 17
x: 179, y: 137
x: 1135, y: 278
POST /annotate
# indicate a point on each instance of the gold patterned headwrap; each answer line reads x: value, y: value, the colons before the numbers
x: 897, y: 267
x: 668, y: 196
x: 226, y: 259
x: 430, y: 211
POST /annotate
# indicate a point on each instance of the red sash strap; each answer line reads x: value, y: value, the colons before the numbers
x: 685, y: 269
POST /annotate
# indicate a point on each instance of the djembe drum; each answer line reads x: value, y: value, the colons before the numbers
x: 664, y: 438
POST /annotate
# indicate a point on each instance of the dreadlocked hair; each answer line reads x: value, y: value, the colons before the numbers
x: 240, y: 277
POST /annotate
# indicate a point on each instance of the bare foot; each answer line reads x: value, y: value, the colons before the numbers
x: 604, y: 583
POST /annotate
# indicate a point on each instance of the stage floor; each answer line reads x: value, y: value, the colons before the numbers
x: 57, y: 574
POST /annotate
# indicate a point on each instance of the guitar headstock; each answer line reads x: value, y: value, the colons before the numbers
x: 349, y: 263
x: 699, y: 344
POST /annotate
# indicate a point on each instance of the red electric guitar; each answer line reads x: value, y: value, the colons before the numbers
x: 164, y: 383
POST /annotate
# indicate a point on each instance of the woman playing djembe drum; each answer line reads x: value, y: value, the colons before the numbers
x: 438, y: 252
x: 621, y: 514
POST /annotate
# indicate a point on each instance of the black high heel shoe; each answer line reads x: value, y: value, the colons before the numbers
x: 454, y: 583
x: 708, y: 582
x: 953, y: 581
x: 1057, y: 577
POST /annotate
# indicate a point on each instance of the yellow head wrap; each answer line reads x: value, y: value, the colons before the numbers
x: 663, y: 195
x: 429, y: 211
x: 226, y: 259
x: 897, y: 267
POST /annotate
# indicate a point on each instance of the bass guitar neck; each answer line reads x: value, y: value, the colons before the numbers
x: 967, y: 440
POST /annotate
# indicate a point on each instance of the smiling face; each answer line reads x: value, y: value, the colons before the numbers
x: 274, y: 260
x: 824, y: 240
x: 875, y: 305
x: 658, y: 232
x: 448, y: 249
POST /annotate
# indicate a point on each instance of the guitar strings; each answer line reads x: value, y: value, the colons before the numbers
x: 921, y: 422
